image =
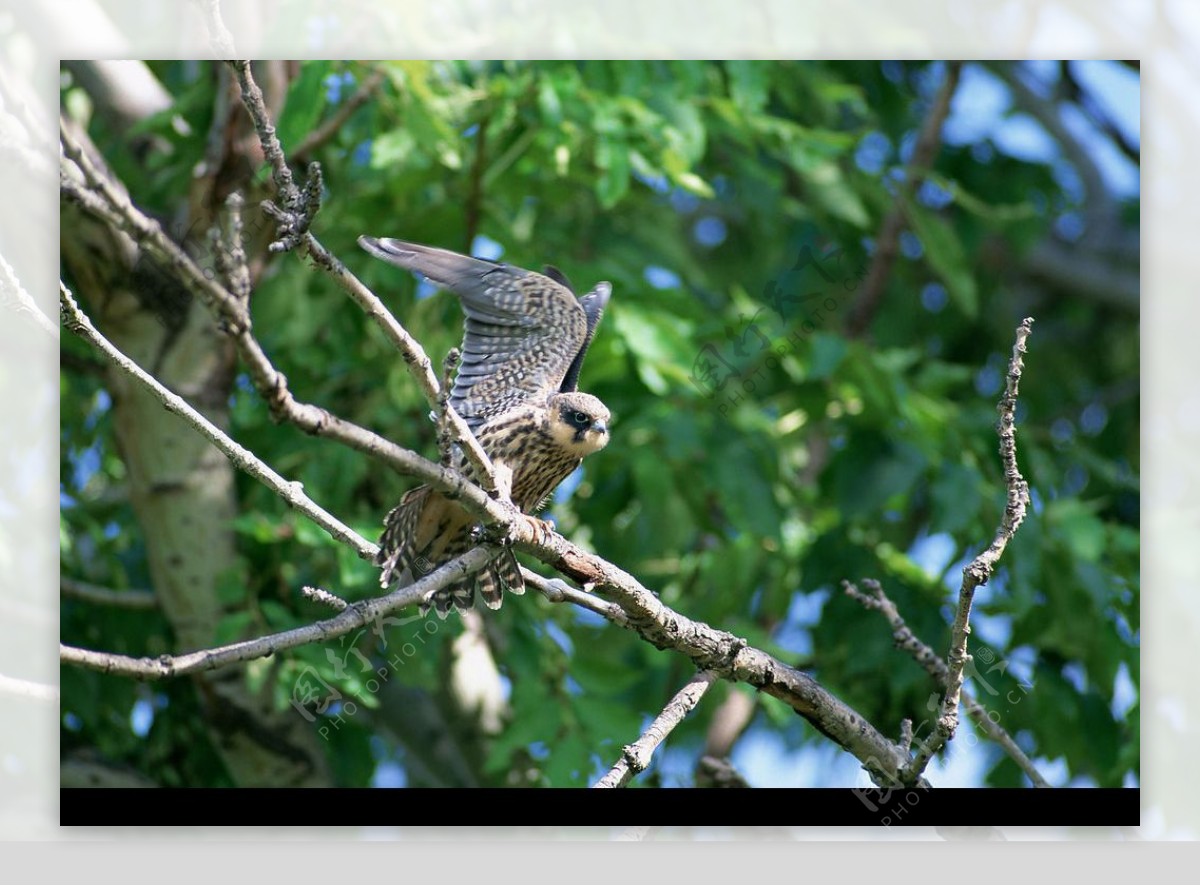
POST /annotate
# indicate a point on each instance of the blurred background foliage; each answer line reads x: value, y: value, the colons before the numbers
x: 764, y: 448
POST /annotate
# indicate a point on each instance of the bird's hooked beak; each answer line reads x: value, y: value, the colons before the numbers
x: 599, y: 427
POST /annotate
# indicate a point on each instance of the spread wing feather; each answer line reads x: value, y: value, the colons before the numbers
x: 524, y: 331
x: 593, y: 308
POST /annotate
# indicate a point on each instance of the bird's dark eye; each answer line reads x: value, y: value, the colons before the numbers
x: 582, y: 419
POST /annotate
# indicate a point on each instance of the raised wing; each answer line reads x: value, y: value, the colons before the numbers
x: 523, y: 330
x: 593, y: 306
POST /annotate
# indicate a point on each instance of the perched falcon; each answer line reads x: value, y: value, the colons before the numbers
x: 525, y: 339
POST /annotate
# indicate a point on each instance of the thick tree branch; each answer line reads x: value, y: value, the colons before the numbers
x: 979, y: 570
x: 887, y: 243
x: 350, y: 619
x: 125, y: 90
x: 936, y: 667
x: 636, y: 757
x: 82, y: 590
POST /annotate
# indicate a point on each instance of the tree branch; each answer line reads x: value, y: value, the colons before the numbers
x: 295, y: 218
x: 636, y: 757
x: 350, y: 619
x: 1085, y: 273
x: 330, y: 127
x: 242, y: 458
x: 887, y: 243
x: 1102, y: 213
x: 82, y: 590
x: 558, y: 591
x: 936, y: 667
x: 979, y: 570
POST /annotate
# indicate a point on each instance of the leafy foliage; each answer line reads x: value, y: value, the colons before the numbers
x: 760, y: 454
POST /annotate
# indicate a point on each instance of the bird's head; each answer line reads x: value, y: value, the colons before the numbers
x: 578, y: 422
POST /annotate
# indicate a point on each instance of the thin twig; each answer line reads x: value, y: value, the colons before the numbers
x: 445, y: 435
x: 319, y: 595
x: 77, y: 322
x: 330, y: 127
x: 636, y: 757
x: 558, y: 591
x: 130, y: 599
x: 979, y: 570
x: 295, y: 217
x: 936, y: 667
x: 252, y: 98
x: 350, y: 619
x: 888, y: 240
x: 229, y: 249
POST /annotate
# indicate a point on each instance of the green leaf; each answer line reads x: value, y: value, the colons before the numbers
x: 830, y: 190
x: 689, y: 181
x: 305, y: 102
x: 548, y: 102
x: 826, y: 354
x: 749, y: 83
x: 1082, y: 530
x: 612, y: 157
x: 393, y: 148
x: 945, y: 253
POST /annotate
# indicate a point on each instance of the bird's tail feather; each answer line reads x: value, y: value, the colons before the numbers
x: 426, y: 531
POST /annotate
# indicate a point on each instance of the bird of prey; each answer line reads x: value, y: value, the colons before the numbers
x: 517, y: 389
